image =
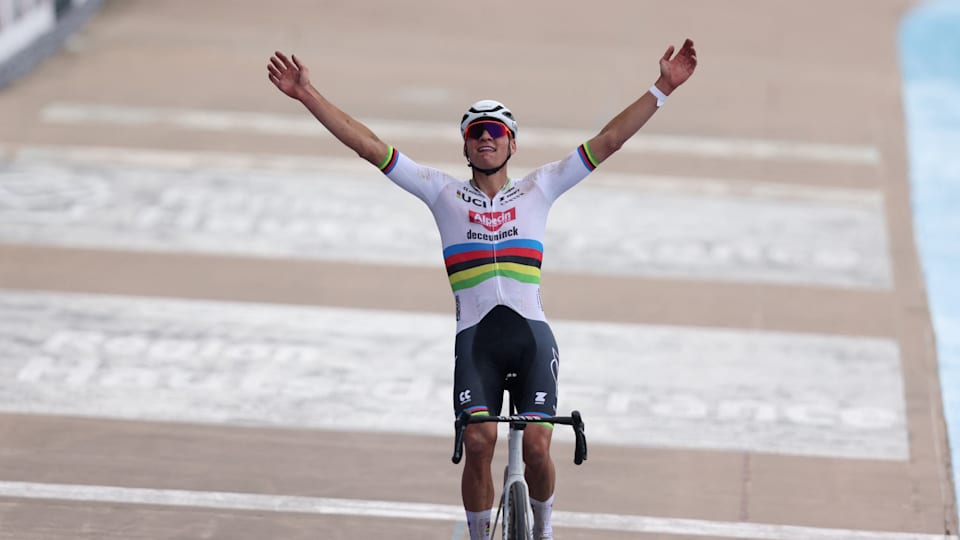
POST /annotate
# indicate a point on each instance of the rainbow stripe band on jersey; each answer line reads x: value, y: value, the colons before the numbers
x: 473, y: 263
x: 586, y: 156
x: 390, y: 161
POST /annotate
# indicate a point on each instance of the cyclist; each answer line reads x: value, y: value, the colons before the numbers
x: 491, y: 228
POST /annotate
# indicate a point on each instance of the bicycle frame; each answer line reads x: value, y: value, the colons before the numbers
x: 514, y: 484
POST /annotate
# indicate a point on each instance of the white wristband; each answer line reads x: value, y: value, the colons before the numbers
x: 661, y: 97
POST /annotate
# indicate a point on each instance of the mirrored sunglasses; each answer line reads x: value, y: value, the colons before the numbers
x: 494, y: 128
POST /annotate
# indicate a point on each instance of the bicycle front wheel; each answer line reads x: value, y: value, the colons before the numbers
x: 519, y: 526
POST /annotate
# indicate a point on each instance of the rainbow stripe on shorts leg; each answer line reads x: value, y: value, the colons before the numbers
x: 539, y: 415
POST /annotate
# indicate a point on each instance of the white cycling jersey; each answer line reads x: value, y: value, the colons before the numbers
x: 492, y: 248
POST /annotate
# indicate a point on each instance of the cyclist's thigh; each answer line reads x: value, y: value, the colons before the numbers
x: 477, y: 380
x: 538, y: 393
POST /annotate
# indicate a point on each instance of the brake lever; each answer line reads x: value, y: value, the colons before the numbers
x: 580, y: 448
x: 460, y: 427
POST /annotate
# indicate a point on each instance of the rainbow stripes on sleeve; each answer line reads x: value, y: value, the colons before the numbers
x: 473, y: 263
x: 586, y: 156
x: 390, y: 161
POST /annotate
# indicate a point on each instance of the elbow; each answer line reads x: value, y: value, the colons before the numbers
x: 614, y: 140
x: 606, y: 144
x: 372, y: 151
x: 615, y: 145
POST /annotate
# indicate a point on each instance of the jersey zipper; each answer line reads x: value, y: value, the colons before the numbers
x: 493, y: 247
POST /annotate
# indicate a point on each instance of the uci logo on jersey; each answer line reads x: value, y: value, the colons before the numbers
x: 493, y: 220
x: 467, y: 198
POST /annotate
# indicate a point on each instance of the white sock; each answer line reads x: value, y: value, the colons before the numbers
x: 541, y: 518
x: 478, y: 523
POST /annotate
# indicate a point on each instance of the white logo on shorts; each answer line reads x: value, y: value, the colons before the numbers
x: 465, y: 397
x: 541, y: 398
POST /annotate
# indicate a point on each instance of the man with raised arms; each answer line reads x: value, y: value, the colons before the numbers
x: 492, y: 227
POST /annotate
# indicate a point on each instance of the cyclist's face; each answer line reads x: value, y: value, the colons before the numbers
x: 488, y: 143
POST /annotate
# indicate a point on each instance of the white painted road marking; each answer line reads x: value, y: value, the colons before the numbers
x: 304, y: 125
x: 326, y: 368
x: 434, y: 512
x: 359, y: 170
x: 647, y: 227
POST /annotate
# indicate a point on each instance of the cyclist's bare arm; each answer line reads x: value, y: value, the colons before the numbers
x: 292, y: 78
x: 673, y: 72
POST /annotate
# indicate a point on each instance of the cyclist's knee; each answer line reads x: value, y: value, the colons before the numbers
x: 479, y: 442
x: 536, y: 445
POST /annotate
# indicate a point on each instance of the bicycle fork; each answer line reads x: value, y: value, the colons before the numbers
x: 515, y: 493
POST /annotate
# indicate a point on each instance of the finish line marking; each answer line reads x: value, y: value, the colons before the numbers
x: 433, y: 512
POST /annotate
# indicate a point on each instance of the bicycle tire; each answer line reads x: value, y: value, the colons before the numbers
x: 519, y: 503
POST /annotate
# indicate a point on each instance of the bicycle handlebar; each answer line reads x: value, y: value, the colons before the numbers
x: 574, y: 420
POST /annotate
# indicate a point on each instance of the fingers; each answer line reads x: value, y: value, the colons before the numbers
x: 689, y: 51
x: 283, y: 58
x: 279, y: 65
x: 687, y: 46
x: 669, y: 53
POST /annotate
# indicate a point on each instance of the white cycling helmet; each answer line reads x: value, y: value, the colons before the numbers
x: 488, y: 108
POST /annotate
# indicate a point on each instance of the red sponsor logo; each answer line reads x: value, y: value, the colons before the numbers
x: 493, y: 220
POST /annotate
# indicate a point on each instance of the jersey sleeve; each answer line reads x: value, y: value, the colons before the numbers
x: 425, y: 183
x: 557, y: 177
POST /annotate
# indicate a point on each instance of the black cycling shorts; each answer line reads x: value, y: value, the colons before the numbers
x: 505, y: 351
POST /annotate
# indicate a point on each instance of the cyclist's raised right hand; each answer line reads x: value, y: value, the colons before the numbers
x: 289, y: 75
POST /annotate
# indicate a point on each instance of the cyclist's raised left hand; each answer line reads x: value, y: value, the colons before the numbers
x: 675, y: 70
